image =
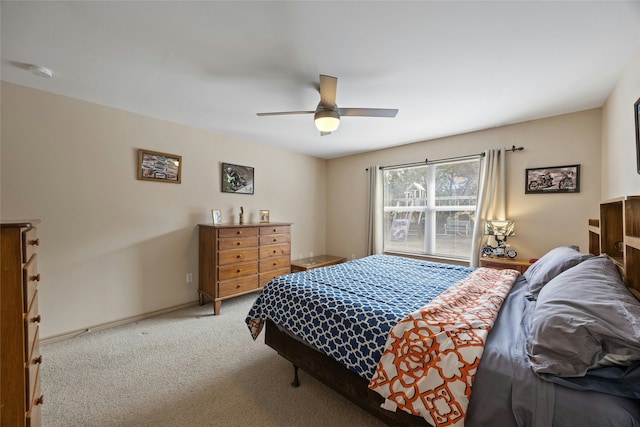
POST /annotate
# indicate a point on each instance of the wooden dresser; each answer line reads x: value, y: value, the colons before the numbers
x: 20, y: 396
x: 238, y: 259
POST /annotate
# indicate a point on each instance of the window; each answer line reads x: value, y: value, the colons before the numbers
x: 430, y: 209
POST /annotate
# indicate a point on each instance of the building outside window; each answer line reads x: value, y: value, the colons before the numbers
x: 430, y: 209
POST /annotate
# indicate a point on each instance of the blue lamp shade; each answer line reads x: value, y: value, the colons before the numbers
x: 499, y: 227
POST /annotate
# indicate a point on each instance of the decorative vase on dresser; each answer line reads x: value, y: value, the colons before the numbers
x: 235, y: 259
x: 20, y: 396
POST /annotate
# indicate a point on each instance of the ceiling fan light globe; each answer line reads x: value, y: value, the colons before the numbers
x: 327, y: 121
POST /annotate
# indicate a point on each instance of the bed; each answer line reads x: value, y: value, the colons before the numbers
x: 517, y: 361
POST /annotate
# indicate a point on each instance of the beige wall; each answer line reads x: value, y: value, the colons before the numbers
x: 619, y: 166
x: 543, y: 221
x: 113, y: 246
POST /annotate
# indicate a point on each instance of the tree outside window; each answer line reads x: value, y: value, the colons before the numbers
x: 430, y: 209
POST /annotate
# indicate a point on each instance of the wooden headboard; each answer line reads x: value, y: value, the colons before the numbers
x: 617, y: 233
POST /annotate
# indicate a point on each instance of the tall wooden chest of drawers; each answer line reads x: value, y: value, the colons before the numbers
x: 238, y: 259
x: 20, y: 396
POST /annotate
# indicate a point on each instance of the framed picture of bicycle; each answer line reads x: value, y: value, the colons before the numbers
x: 553, y: 179
x: 237, y: 179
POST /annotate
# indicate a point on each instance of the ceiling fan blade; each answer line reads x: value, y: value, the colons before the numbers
x: 368, y: 112
x: 283, y: 113
x: 328, y: 86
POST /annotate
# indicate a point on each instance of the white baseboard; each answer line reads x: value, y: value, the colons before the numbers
x: 107, y: 325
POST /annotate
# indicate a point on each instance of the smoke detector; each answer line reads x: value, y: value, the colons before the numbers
x: 40, y: 71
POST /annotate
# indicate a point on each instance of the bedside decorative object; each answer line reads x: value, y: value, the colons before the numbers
x: 500, y: 229
x: 264, y: 216
x: 157, y: 166
x: 241, y: 216
x: 554, y: 179
x: 237, y: 179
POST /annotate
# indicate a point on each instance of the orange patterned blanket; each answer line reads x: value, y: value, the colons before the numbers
x: 431, y: 356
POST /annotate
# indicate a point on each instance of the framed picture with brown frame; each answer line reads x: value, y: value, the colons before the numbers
x: 553, y: 179
x: 161, y: 167
x: 264, y: 216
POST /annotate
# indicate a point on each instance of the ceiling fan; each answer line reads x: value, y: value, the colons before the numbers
x: 327, y: 114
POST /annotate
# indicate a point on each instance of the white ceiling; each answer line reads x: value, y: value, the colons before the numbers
x: 449, y: 67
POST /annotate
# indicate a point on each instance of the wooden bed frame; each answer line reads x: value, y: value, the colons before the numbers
x: 606, y: 235
x: 334, y: 375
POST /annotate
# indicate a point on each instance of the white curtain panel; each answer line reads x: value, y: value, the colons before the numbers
x: 491, y: 198
x: 375, y: 213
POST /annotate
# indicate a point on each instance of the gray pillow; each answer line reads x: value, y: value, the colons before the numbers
x: 549, y: 266
x: 584, y: 318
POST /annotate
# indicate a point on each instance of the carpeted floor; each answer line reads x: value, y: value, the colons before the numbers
x: 186, y: 368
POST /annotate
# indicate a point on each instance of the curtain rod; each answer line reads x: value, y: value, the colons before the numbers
x: 513, y: 149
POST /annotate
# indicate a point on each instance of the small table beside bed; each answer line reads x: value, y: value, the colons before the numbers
x: 419, y: 343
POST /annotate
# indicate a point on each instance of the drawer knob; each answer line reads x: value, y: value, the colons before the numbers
x: 274, y: 251
x: 238, y: 232
x: 36, y: 319
x: 35, y: 242
x: 238, y: 243
x: 36, y: 278
x: 40, y: 400
x: 275, y: 263
x: 37, y: 360
x: 239, y: 256
x: 238, y: 271
x: 237, y: 286
x: 275, y: 240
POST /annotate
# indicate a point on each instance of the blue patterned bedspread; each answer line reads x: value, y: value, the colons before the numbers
x: 347, y: 310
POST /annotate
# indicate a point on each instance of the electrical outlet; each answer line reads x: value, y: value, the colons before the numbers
x: 189, y: 277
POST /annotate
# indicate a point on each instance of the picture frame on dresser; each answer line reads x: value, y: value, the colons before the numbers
x: 636, y: 114
x: 216, y: 216
x: 237, y: 179
x: 264, y: 216
x: 159, y: 167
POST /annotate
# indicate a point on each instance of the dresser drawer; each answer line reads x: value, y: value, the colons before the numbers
x: 30, y: 281
x: 31, y: 327
x: 274, y: 250
x: 274, y: 239
x: 30, y: 243
x: 237, y: 232
x: 237, y: 255
x: 266, y: 277
x: 275, y: 263
x: 237, y: 270
x: 37, y: 399
x: 34, y: 417
x: 238, y: 243
x: 32, y: 371
x: 276, y: 229
x: 232, y: 287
